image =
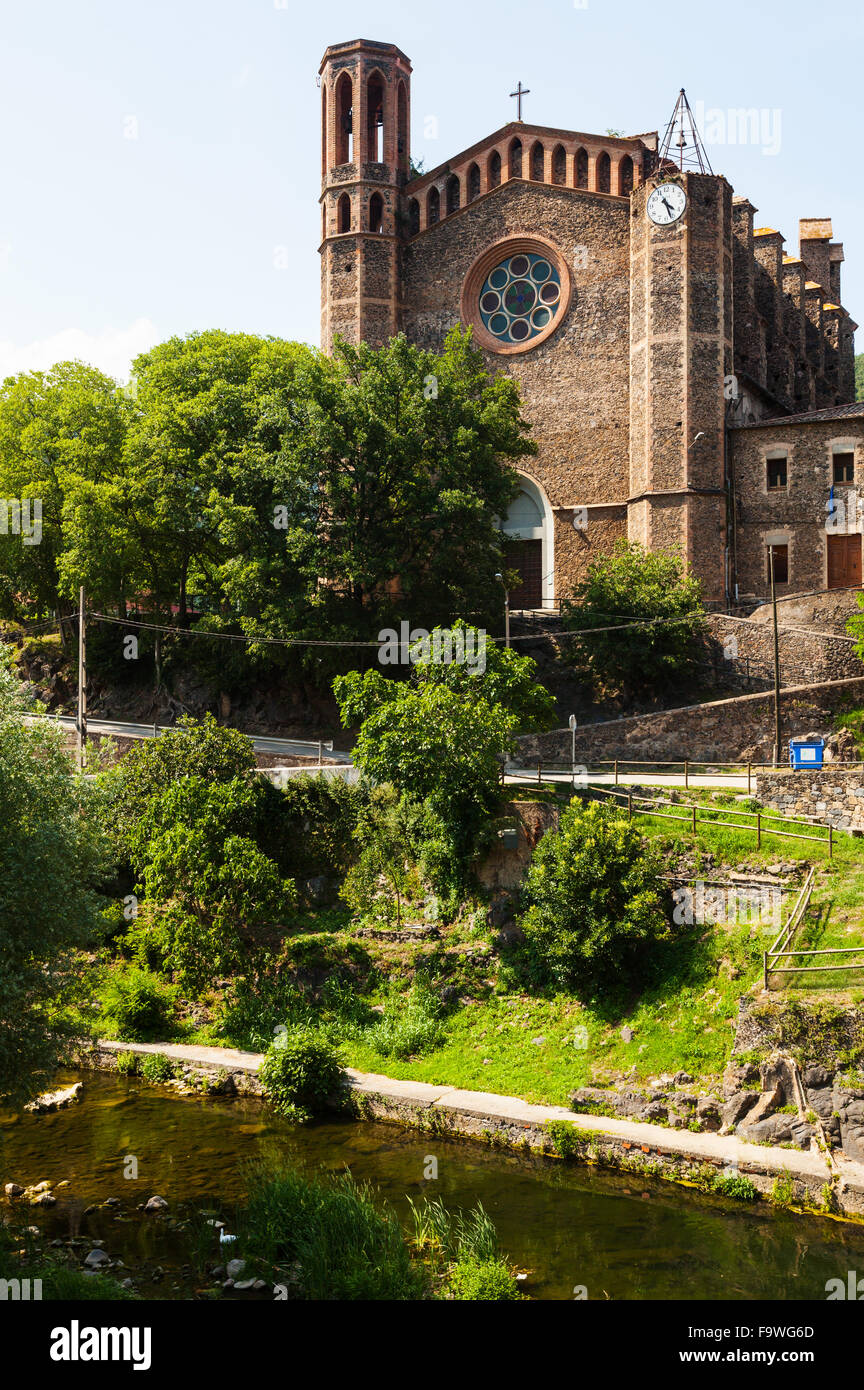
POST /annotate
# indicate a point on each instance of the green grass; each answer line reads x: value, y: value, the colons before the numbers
x: 682, y: 1019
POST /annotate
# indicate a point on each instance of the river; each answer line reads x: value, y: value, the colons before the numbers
x: 617, y: 1236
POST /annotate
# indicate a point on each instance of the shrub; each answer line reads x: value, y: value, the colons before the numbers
x: 127, y: 1063
x: 742, y: 1189
x: 650, y: 586
x: 411, y: 1027
x: 312, y: 823
x: 595, y: 898
x: 299, y: 1072
x: 490, y: 1280
x: 156, y: 1067
x: 136, y: 1004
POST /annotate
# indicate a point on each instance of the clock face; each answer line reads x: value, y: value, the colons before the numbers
x: 666, y: 204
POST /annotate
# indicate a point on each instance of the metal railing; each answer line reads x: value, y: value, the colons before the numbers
x: 780, y: 947
x: 687, y: 767
x: 757, y: 822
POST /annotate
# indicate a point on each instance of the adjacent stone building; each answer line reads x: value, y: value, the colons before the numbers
x: 688, y: 383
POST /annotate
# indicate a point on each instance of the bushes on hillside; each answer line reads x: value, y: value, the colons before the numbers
x: 300, y: 1071
x: 136, y: 1005
x: 646, y: 613
x: 595, y: 899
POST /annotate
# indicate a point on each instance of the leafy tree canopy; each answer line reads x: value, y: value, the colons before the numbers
x: 498, y: 674
x: 430, y: 742
x: 53, y: 856
x: 639, y: 586
x: 595, y: 899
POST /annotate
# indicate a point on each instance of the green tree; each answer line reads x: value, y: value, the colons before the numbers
x: 595, y: 899
x: 395, y: 468
x: 61, y: 432
x: 431, y: 743
x: 193, y: 748
x: 211, y: 892
x: 53, y: 856
x: 649, y: 588
x: 497, y: 674
x: 859, y: 377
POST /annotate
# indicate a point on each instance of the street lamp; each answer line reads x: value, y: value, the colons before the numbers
x: 572, y: 721
x: 500, y: 579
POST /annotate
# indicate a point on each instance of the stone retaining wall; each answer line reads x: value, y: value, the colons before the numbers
x: 730, y: 730
x: 834, y: 795
x: 508, y: 1122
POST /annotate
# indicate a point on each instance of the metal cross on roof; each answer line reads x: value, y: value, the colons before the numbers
x: 519, y: 93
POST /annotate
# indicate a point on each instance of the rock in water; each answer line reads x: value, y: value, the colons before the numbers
x: 154, y: 1204
x: 55, y: 1100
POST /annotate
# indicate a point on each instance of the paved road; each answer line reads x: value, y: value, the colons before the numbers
x: 718, y: 781
x: 262, y: 743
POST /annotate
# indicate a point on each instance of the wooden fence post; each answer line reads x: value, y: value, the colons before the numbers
x: 539, y: 771
x: 748, y: 779
x: 694, y: 817
x: 759, y: 842
x: 630, y: 805
x: 765, y: 968
x: 686, y: 773
x: 830, y: 841
x: 616, y: 772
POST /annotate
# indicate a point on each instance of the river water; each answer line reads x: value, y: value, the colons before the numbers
x: 618, y: 1236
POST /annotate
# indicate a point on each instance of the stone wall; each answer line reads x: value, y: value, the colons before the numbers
x: 795, y: 515
x: 835, y: 795
x: 736, y: 729
x: 575, y: 383
x: 741, y: 650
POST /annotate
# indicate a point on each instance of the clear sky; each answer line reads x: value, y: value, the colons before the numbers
x: 161, y: 159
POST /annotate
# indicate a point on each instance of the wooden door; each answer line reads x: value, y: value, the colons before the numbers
x: 527, y: 558
x: 844, y: 562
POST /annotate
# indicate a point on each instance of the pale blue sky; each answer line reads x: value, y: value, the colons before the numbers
x: 109, y: 243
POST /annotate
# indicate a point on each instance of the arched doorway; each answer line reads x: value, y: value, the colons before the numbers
x: 530, y: 550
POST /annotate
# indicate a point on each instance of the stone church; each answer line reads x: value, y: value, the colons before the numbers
x: 689, y: 382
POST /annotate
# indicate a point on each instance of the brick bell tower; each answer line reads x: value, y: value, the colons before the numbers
x: 680, y: 358
x: 365, y: 162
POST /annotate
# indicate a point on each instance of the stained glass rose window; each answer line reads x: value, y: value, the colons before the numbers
x: 519, y: 298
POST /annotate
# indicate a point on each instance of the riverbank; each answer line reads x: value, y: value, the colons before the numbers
x: 812, y: 1180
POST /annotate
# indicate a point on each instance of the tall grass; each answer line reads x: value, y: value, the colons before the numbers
x: 326, y: 1239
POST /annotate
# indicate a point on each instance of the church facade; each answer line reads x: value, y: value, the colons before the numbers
x: 688, y: 382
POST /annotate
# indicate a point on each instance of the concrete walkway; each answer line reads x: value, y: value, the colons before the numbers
x: 473, y: 1107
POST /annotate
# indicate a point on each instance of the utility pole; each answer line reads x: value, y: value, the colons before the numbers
x: 500, y: 579
x: 776, y: 661
x: 82, y: 680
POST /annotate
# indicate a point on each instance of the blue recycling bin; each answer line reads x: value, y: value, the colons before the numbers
x: 806, y: 753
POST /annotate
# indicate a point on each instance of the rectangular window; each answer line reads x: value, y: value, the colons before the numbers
x: 844, y: 467
x: 781, y: 563
x: 776, y: 473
